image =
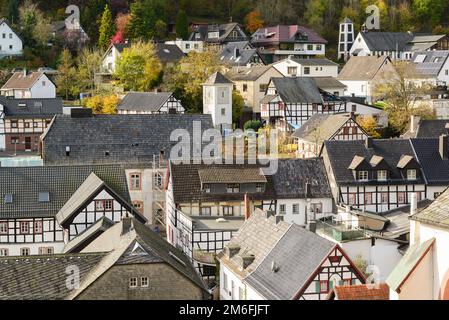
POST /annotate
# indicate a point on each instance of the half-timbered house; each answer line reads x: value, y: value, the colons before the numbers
x: 269, y: 259
x: 149, y: 103
x: 41, y: 208
x: 217, y: 35
x: 290, y: 102
x: 373, y: 175
x: 322, y: 127
x: 24, y: 121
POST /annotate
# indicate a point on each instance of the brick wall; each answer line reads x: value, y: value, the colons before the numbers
x: 34, y: 137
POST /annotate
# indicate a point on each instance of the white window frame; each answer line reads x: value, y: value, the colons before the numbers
x: 382, y: 175
x: 133, y: 282
x: 295, y: 208
x: 362, y: 175
x: 411, y: 174
x: 144, y: 282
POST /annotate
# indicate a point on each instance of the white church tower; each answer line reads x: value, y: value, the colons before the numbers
x: 217, y: 100
x: 346, y: 39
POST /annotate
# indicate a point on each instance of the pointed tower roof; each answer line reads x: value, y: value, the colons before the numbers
x: 217, y: 78
x: 346, y: 20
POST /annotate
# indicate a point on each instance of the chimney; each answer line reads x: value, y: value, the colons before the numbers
x: 268, y: 214
x: 247, y: 207
x: 231, y: 250
x: 312, y: 226
x: 278, y: 219
x: 236, y: 52
x: 24, y: 72
x: 413, y: 203
x: 444, y: 147
x: 414, y: 122
x: 352, y: 115
x: 247, y: 259
x: 308, y: 190
x: 369, y: 142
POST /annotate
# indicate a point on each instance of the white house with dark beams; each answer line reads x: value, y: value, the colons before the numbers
x: 373, y: 175
x: 149, y: 103
x: 40, y: 210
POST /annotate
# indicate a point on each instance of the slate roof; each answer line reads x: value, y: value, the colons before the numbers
x: 34, y: 108
x: 248, y: 74
x: 217, y: 78
x: 227, y: 55
x: 328, y: 83
x: 362, y: 292
x: 284, y: 33
x: 432, y: 128
x: 231, y: 175
x: 298, y: 254
x: 223, y: 29
x: 121, y: 46
x: 432, y: 63
x: 312, y: 62
x: 43, y: 277
x: 19, y: 81
x: 61, y: 182
x: 387, y: 41
x: 408, y: 263
x: 297, y: 90
x: 321, y: 127
x: 362, y: 68
x: 436, y: 170
x: 291, y: 177
x: 115, y: 138
x: 144, y: 101
x: 436, y: 213
x: 341, y: 154
x: 187, y: 183
x: 168, y: 53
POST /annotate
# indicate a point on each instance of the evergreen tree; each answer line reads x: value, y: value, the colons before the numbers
x: 182, y: 25
x: 135, y: 28
x: 107, y: 28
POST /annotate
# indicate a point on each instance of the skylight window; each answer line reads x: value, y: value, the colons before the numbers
x: 8, y: 198
x: 420, y: 58
x: 44, y: 196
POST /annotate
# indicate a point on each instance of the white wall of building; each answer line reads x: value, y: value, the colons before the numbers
x: 10, y: 43
x: 188, y: 46
x: 2, y: 128
x: 304, y: 206
x: 315, y: 71
x: 217, y: 101
x: 43, y: 88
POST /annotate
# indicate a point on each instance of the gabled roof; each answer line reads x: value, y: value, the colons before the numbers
x: 168, y: 52
x: 231, y: 175
x: 245, y: 53
x: 432, y: 128
x: 217, y: 78
x: 362, y: 68
x: 223, y: 29
x: 248, y: 74
x: 20, y: 81
x: 387, y: 41
x: 61, y: 182
x: 292, y: 175
x: 286, y: 33
x: 379, y: 291
x: 408, y: 264
x: 31, y: 108
x: 144, y: 101
x: 436, y: 213
x: 297, y: 90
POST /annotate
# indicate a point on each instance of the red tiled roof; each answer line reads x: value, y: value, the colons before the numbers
x: 362, y: 292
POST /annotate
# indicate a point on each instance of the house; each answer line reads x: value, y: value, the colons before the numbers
x: 24, y: 120
x: 421, y: 128
x: 322, y: 127
x: 302, y: 190
x: 149, y: 103
x: 269, y: 259
x: 125, y: 262
x: 432, y: 66
x: 72, y: 32
x: 289, y: 102
x: 252, y: 83
x: 423, y: 272
x: 361, y: 108
x: 111, y: 56
x: 362, y: 74
x: 379, y: 291
x: 236, y: 54
x: 168, y: 54
x: 331, y: 85
x: 374, y: 175
x: 206, y: 206
x: 217, y: 100
x: 42, y: 208
x: 26, y: 85
x: 11, y: 44
x: 217, y: 34
x: 188, y: 46
x: 293, y: 67
x: 279, y: 42
x: 396, y: 45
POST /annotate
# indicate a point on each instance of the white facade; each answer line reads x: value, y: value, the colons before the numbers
x: 2, y: 128
x: 188, y: 46
x: 303, y: 49
x: 10, y: 43
x: 295, y: 210
x: 361, y: 109
x: 346, y: 39
x: 357, y: 88
x: 42, y: 88
x: 110, y: 59
x: 217, y: 101
x: 294, y: 68
x: 361, y: 49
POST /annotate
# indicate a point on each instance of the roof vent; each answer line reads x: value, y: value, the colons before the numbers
x: 221, y: 220
x: 246, y: 260
x: 274, y: 267
x: 231, y: 250
x: 67, y: 151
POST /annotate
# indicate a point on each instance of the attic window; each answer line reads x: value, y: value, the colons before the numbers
x: 44, y: 196
x: 106, y: 154
x: 8, y: 198
x: 22, y: 104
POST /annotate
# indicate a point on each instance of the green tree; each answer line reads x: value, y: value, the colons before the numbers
x: 182, y: 25
x: 89, y: 62
x: 238, y: 105
x: 107, y: 28
x: 66, y: 75
x: 138, y: 67
x: 135, y: 27
x: 160, y: 30
x: 12, y: 11
x: 252, y: 124
x: 429, y: 12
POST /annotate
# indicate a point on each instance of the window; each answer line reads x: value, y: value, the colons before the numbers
x: 310, y: 47
x: 324, y: 286
x: 245, y: 87
x: 263, y: 87
x: 293, y: 71
x: 138, y: 205
x: 135, y: 181
x: 3, y: 227
x: 306, y: 70
x: 24, y: 227
x: 411, y: 174
x: 133, y: 282
x: 362, y: 175
x: 232, y: 188
x: 223, y: 111
x: 4, y: 252
x: 258, y: 187
x: 318, y: 47
x: 206, y: 188
x: 401, y: 197
x: 24, y: 251
x: 44, y: 83
x: 225, y: 282
x: 384, y: 197
x: 317, y: 207
x: 382, y: 175
x: 282, y: 209
x: 35, y: 124
x: 187, y: 46
x: 205, y: 211
x: 346, y: 130
x: 4, y: 35
x: 209, y: 271
x: 8, y: 198
x: 44, y: 196
x: 108, y: 205
x: 295, y: 208
x: 46, y: 250
x: 347, y: 282
x: 14, y: 124
x: 354, y: 108
x: 228, y: 211
x: 10, y: 36
x: 368, y: 198
x: 352, y: 199
x: 144, y: 282
x: 10, y: 47
x: 26, y: 125
x: 158, y: 180
x: 38, y: 226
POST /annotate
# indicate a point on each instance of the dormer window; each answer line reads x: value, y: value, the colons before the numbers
x: 258, y: 187
x: 362, y: 175
x: 411, y: 174
x: 382, y: 175
x: 206, y: 188
x: 232, y: 188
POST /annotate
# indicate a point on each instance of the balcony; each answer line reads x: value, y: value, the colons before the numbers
x: 337, y: 230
